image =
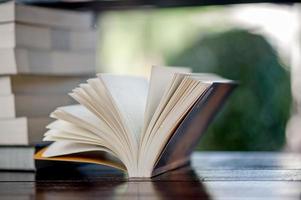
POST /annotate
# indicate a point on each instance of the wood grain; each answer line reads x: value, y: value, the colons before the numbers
x: 216, y: 175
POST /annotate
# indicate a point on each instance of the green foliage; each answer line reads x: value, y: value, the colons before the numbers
x: 255, y: 116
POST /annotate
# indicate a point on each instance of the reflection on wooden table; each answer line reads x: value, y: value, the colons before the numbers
x: 210, y: 176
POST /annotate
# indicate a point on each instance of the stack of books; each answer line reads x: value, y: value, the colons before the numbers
x: 44, y: 54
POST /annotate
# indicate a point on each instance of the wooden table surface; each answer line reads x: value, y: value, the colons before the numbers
x: 214, y: 175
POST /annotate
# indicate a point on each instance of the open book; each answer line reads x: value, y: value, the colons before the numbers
x: 142, y: 127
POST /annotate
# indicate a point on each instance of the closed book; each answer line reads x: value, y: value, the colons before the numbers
x: 5, y: 85
x: 17, y: 158
x: 14, y: 35
x: 39, y: 105
x: 7, y: 106
x: 38, y: 85
x: 15, y: 131
x: 12, y: 106
x: 23, y: 130
x: 43, y: 62
x: 12, y: 12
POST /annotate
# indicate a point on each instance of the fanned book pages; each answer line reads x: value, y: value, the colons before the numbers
x: 142, y: 127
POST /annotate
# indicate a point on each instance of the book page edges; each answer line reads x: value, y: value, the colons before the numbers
x: 187, y: 133
x: 79, y: 159
x: 181, y: 144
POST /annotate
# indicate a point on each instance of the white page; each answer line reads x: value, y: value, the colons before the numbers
x: 82, y: 113
x: 69, y: 130
x: 129, y: 94
x: 159, y: 81
x: 60, y: 148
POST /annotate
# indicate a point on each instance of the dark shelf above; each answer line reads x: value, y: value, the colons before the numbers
x: 101, y: 5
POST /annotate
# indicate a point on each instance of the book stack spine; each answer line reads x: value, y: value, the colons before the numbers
x: 44, y: 54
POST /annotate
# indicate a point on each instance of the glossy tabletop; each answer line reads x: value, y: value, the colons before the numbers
x: 214, y: 175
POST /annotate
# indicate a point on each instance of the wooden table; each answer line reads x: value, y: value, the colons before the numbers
x: 215, y: 175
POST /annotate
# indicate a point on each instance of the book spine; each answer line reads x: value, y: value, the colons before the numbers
x: 7, y: 35
x: 17, y: 158
x: 16, y: 131
x: 8, y: 63
x: 46, y: 38
x: 7, y: 106
x: 53, y: 17
x: 27, y: 61
x: 5, y: 85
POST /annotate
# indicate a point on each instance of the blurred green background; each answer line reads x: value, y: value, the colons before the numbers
x: 256, y: 114
x: 206, y: 40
